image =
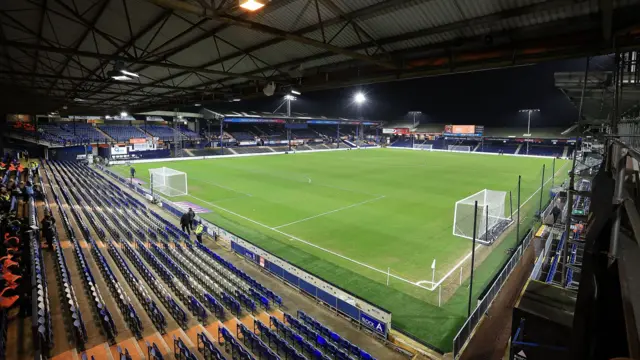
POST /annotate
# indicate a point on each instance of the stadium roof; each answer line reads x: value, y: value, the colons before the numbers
x: 599, y: 94
x: 59, y: 52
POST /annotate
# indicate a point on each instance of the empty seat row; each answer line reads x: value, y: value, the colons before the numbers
x: 152, y: 309
x: 100, y: 308
x: 275, y: 342
x: 255, y: 344
x: 122, y: 299
x: 208, y: 349
x: 181, y: 351
x: 184, y: 286
x: 296, y: 339
x: 325, y: 334
x: 231, y: 345
x: 219, y: 284
x: 259, y: 288
x: 176, y: 311
x: 41, y: 314
x: 71, y: 302
x: 210, y: 291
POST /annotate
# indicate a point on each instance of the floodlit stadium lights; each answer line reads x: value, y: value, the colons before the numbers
x: 197, y: 104
x: 121, y: 78
x: 289, y: 97
x: 124, y: 114
x: 296, y: 92
x: 252, y: 5
x: 128, y: 73
x: 236, y: 100
x: 359, y: 98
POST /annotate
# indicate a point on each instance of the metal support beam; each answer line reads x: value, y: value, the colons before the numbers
x: 237, y: 21
x: 606, y: 11
x: 101, y: 81
x: 88, y: 54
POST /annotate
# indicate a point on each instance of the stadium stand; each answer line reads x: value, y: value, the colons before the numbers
x: 122, y: 132
x: 189, y: 134
x: 546, y: 150
x: 58, y: 133
x: 161, y: 131
x: 87, y: 133
x: 166, y: 273
x: 498, y: 146
x: 403, y: 142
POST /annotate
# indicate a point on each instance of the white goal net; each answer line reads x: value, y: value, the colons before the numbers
x: 423, y: 146
x: 459, y: 148
x: 168, y: 181
x: 490, y: 219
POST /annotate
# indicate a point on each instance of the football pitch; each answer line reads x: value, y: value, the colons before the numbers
x: 373, y: 222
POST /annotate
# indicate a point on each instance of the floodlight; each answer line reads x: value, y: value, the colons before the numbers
x: 289, y: 97
x: 197, y: 104
x: 236, y: 100
x: 124, y: 114
x: 252, y: 5
x: 359, y: 98
x: 296, y: 92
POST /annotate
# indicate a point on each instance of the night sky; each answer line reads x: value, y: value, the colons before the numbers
x: 490, y: 98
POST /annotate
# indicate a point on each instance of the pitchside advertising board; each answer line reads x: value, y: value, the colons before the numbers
x: 463, y: 130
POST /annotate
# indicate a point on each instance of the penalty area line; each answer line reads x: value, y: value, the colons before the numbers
x: 313, y: 245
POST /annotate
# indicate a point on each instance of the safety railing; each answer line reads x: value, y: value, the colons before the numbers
x: 483, y: 304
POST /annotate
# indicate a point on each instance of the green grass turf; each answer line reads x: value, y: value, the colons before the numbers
x: 385, y: 208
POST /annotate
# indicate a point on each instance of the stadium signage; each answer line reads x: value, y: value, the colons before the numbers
x: 463, y: 130
x: 372, y: 323
x: 253, y: 120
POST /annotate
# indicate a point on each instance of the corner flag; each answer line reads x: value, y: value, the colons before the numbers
x: 433, y: 265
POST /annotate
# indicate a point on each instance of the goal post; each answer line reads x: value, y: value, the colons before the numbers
x: 490, y: 220
x: 461, y: 148
x: 168, y: 181
x: 423, y: 146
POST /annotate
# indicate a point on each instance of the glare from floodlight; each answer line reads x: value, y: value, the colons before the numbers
x: 236, y: 100
x: 359, y: 98
x: 251, y: 5
x: 124, y: 114
x: 296, y: 92
x: 289, y: 97
x: 121, y: 78
x: 197, y: 104
x: 129, y: 73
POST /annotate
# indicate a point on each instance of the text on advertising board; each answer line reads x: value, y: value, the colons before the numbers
x: 372, y: 323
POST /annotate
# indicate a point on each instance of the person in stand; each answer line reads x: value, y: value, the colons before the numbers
x: 184, y: 222
x: 192, y: 218
x: 48, y: 226
x: 199, y: 230
x: 133, y: 173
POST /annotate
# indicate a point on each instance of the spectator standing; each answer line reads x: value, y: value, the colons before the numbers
x: 184, y: 222
x: 48, y: 226
x: 133, y: 173
x: 192, y: 218
x: 198, y: 231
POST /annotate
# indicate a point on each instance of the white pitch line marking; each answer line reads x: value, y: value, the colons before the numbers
x: 331, y: 212
x: 291, y: 237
